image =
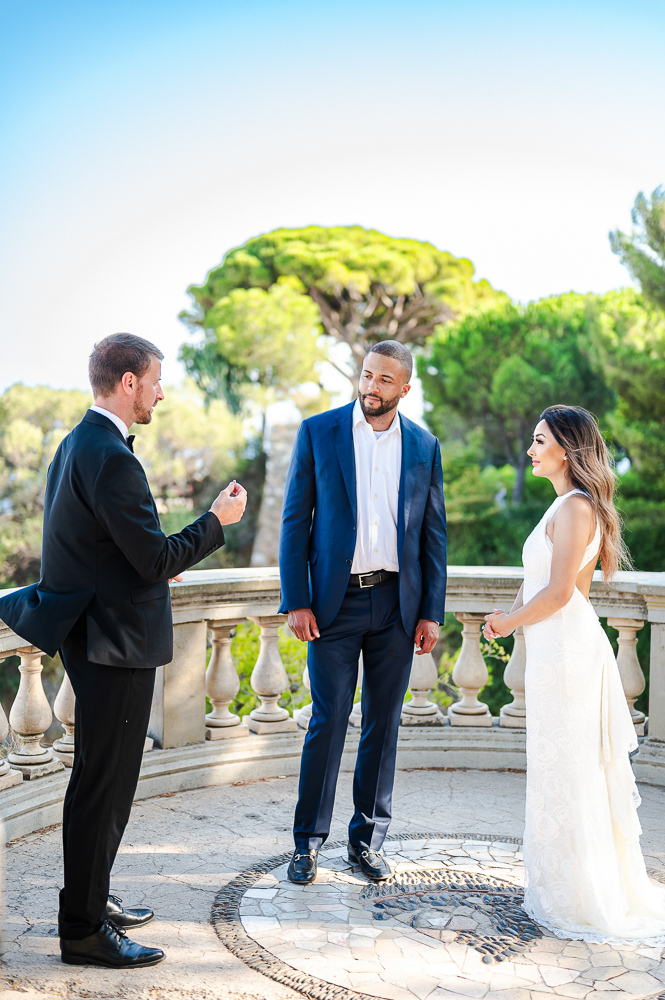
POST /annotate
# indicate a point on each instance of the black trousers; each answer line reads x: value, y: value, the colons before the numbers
x: 369, y: 620
x: 112, y: 714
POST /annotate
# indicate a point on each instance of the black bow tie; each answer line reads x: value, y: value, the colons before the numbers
x: 130, y: 442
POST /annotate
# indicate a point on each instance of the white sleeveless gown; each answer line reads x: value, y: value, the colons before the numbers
x: 585, y: 874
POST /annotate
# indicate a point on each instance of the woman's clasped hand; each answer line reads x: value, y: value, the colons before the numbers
x: 497, y: 625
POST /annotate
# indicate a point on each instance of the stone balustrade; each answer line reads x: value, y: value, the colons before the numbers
x: 222, y: 684
x: 514, y: 713
x: 29, y: 718
x: 214, y: 603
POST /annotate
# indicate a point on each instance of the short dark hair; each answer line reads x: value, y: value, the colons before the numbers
x: 393, y: 349
x: 117, y: 354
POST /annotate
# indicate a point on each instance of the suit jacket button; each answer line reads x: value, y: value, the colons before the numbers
x: 348, y: 562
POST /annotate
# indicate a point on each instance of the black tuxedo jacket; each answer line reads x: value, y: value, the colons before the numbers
x: 105, y: 555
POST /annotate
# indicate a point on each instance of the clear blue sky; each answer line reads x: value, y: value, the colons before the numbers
x: 141, y: 140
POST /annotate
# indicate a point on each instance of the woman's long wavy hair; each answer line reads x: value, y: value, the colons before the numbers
x: 591, y: 469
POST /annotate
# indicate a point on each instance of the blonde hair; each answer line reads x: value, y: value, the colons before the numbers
x: 591, y: 469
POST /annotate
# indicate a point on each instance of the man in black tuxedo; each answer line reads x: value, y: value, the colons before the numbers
x: 103, y: 601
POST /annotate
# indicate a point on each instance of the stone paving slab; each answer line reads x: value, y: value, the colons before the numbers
x: 449, y: 921
x: 180, y: 850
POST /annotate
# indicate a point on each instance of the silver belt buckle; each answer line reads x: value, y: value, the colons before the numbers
x: 360, y: 580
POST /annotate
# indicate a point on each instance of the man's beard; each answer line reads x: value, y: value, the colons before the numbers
x: 385, y: 405
x: 142, y: 414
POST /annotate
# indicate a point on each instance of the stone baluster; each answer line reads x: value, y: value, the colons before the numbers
x: 513, y: 715
x: 64, y: 709
x: 222, y: 684
x: 630, y: 670
x: 30, y: 717
x: 470, y: 675
x: 649, y: 764
x: 356, y: 716
x: 420, y: 711
x: 269, y: 681
x: 303, y: 715
x: 4, y: 730
x: 8, y: 775
x: 657, y: 677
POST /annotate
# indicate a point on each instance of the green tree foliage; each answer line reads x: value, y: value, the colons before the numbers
x: 498, y: 369
x: 643, y: 250
x: 33, y: 422
x: 484, y: 527
x: 629, y: 338
x: 255, y: 339
x: 365, y: 287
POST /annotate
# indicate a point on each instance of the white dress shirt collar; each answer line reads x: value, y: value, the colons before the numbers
x: 359, y: 418
x: 120, y: 424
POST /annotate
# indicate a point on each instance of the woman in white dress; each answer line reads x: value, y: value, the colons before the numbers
x: 585, y: 874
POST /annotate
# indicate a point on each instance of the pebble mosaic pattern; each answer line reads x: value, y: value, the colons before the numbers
x: 486, y: 912
x: 448, y: 924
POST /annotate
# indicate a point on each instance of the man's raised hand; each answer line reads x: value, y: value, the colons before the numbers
x: 303, y: 624
x: 230, y: 505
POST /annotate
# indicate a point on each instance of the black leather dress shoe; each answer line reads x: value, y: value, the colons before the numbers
x: 124, y: 917
x: 372, y: 864
x: 302, y: 867
x: 109, y: 947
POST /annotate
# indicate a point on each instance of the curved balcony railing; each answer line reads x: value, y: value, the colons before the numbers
x: 216, y: 602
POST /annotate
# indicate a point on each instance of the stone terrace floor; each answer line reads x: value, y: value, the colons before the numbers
x: 181, y: 849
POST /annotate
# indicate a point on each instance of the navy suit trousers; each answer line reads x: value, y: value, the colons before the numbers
x: 368, y: 621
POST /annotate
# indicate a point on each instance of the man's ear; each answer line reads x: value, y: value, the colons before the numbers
x: 405, y: 390
x: 128, y: 383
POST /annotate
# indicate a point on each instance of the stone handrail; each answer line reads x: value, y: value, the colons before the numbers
x: 218, y: 600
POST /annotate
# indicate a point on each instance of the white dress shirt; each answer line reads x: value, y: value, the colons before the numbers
x: 378, y: 471
x: 120, y: 424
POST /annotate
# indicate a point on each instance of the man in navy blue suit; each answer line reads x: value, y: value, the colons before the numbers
x: 363, y: 569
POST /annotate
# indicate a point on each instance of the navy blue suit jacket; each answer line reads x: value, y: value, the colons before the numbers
x: 319, y: 517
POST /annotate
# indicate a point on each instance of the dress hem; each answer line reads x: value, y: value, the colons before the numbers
x: 595, y: 937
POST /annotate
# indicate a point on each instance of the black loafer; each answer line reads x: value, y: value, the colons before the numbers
x: 125, y: 917
x: 372, y: 864
x: 302, y: 867
x: 109, y: 947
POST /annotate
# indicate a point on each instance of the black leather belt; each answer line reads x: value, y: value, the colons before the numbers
x: 371, y: 579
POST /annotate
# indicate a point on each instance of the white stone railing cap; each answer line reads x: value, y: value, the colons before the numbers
x: 221, y: 594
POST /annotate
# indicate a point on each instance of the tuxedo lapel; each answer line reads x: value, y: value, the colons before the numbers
x: 343, y: 433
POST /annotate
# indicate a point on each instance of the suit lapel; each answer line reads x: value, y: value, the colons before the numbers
x: 411, y: 459
x: 346, y: 453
